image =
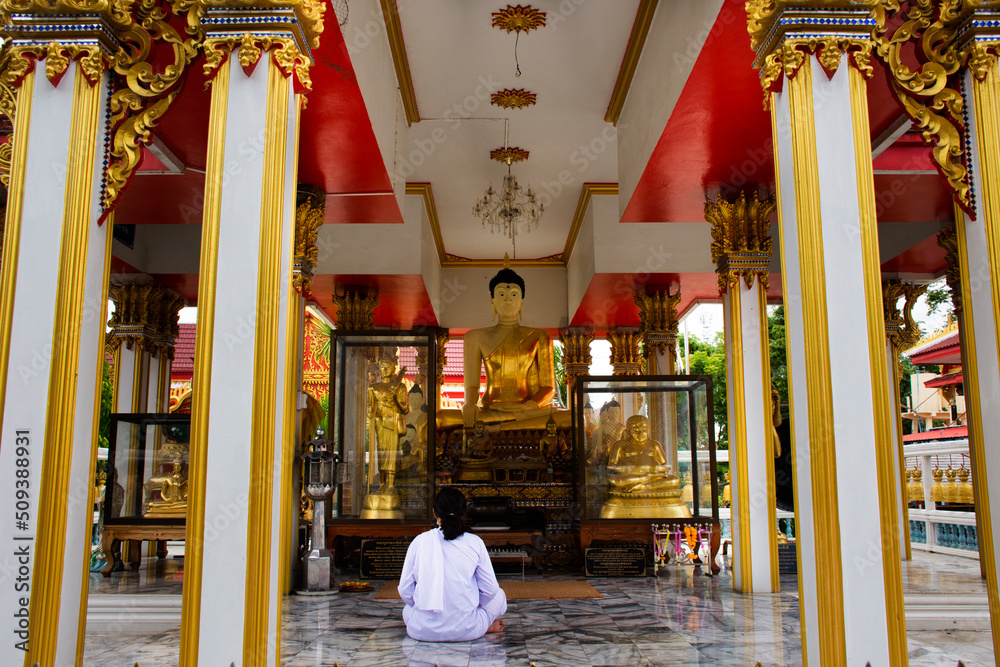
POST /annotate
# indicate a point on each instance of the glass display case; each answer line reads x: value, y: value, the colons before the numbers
x: 648, y: 450
x: 147, y: 469
x: 383, y: 389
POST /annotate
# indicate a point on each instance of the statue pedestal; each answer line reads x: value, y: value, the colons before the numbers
x: 384, y: 505
x: 645, y: 506
x: 474, y: 470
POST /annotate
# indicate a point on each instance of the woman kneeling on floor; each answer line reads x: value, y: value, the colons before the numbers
x: 448, y: 584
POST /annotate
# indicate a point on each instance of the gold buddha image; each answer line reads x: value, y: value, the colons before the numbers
x: 519, y: 365
x: 388, y: 406
x: 640, y: 482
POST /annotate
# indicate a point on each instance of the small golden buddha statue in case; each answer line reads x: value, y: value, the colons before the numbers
x: 641, y: 484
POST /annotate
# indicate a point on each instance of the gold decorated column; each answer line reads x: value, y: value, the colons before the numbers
x: 977, y: 229
x: 658, y: 328
x: 576, y: 356
x: 247, y: 350
x: 901, y: 333
x: 814, y: 59
x: 53, y: 280
x: 741, y: 250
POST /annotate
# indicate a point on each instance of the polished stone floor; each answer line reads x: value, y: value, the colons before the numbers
x: 679, y: 618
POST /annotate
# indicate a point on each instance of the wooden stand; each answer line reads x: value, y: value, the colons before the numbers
x: 114, y: 535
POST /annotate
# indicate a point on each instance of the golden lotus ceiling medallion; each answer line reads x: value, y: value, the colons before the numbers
x: 518, y: 18
x: 509, y: 155
x: 510, y: 98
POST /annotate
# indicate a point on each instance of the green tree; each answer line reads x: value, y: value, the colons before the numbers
x: 938, y: 297
x: 779, y: 358
x: 104, y: 421
x: 710, y: 359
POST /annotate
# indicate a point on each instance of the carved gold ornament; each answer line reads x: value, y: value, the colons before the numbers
x: 948, y: 239
x: 576, y: 357
x: 741, y: 238
x: 900, y: 327
x: 510, y: 98
x: 625, y: 356
x: 518, y: 18
x: 658, y: 320
x: 146, y: 315
x: 441, y: 340
x: 509, y: 155
x: 929, y: 94
x: 308, y: 219
x: 355, y: 312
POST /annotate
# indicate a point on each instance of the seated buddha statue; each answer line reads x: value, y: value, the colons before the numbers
x: 640, y: 483
x: 520, y: 369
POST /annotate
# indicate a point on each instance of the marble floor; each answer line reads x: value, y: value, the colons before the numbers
x: 681, y: 617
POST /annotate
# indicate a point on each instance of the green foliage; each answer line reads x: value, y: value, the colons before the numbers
x: 562, y: 391
x: 779, y: 360
x: 710, y: 359
x: 107, y: 405
x: 939, y: 298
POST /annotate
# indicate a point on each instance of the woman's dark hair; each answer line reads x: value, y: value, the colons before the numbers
x: 449, y: 506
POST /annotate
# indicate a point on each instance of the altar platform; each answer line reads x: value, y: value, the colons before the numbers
x: 681, y: 617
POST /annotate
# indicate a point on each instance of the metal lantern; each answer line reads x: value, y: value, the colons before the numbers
x: 319, y: 466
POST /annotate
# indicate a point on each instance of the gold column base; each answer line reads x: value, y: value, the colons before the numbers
x: 382, y: 506
x: 645, y: 507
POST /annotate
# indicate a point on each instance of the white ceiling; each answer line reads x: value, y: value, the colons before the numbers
x: 457, y: 59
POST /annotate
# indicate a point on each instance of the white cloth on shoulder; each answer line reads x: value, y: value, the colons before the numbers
x: 429, y: 594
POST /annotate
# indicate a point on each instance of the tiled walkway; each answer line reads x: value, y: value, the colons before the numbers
x: 684, y: 618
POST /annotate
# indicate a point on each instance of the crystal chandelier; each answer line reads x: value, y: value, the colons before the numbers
x: 504, y: 210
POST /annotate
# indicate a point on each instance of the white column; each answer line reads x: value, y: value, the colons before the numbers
x: 850, y: 579
x: 52, y: 305
x: 242, y: 408
x: 748, y: 374
x: 979, y: 264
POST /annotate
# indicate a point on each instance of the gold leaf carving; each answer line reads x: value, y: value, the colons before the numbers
x: 900, y: 327
x: 658, y: 320
x: 308, y: 219
x: 927, y: 93
x: 355, y: 312
x: 625, y: 356
x: 55, y: 62
x: 741, y: 238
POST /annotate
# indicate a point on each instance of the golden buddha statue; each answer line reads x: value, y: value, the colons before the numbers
x: 475, y: 464
x: 519, y: 363
x: 641, y: 484
x: 172, y: 488
x: 551, y: 444
x: 387, y: 409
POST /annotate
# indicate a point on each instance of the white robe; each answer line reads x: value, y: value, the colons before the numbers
x: 449, y: 588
